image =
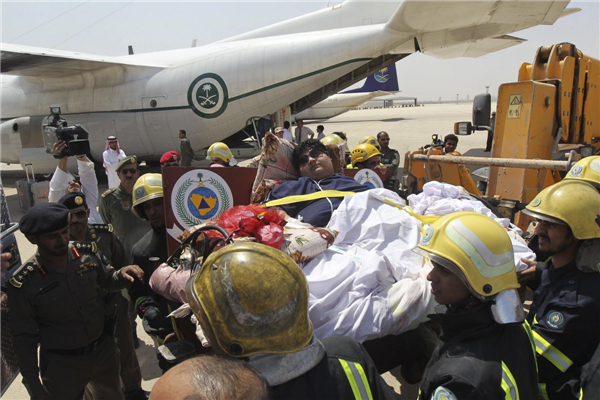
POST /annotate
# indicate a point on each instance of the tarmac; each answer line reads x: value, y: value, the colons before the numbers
x: 408, y: 127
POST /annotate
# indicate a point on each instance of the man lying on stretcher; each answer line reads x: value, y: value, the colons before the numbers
x: 316, y: 171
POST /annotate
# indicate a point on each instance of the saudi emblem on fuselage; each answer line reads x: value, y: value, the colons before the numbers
x: 208, y: 95
x: 199, y: 196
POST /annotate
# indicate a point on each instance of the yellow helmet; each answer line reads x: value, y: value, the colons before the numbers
x: 332, y: 139
x: 569, y: 202
x: 369, y: 139
x: 587, y: 169
x: 147, y: 187
x: 255, y: 299
x: 475, y: 248
x: 363, y: 152
x: 221, y: 150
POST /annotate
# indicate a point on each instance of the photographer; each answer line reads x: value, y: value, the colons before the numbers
x: 63, y: 182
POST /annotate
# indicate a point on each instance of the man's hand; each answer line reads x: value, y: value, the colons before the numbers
x: 528, y: 274
x: 58, y: 147
x: 130, y: 272
x: 5, y: 263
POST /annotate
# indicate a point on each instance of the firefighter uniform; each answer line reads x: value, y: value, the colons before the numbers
x: 115, y: 209
x: 345, y: 372
x: 64, y: 313
x: 565, y: 318
x: 478, y: 358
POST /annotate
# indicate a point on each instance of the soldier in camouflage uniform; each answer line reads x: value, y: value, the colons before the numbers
x: 54, y: 301
x: 112, y: 250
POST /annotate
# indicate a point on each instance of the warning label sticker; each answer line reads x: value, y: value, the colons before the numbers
x: 514, y: 106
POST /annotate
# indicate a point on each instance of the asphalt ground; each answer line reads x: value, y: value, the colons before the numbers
x: 408, y: 127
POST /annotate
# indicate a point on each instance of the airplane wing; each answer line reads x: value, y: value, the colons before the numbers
x: 477, y: 48
x: 33, y: 61
x: 448, y: 29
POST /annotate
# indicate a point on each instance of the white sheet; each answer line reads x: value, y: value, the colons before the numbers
x: 370, y: 283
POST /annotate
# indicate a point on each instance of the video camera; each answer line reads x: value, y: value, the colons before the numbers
x: 75, y: 137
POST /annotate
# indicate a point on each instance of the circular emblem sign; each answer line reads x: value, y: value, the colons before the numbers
x: 368, y: 178
x: 427, y: 236
x: 555, y: 319
x: 382, y: 76
x: 576, y: 170
x: 199, y: 196
x: 208, y: 96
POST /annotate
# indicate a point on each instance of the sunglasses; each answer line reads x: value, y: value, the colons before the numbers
x: 170, y: 165
x: 130, y: 170
x: 79, y: 214
x: 314, y: 153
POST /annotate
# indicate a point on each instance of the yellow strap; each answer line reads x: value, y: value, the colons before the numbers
x: 426, y: 219
x: 307, y: 197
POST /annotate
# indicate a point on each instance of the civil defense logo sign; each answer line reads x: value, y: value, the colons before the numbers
x: 369, y: 178
x: 199, y: 196
x: 208, y: 96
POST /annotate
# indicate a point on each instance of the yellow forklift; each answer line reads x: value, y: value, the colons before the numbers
x: 544, y: 123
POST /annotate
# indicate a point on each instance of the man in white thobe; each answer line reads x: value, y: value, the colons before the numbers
x: 112, y: 155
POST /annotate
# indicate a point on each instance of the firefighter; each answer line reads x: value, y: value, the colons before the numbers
x: 565, y: 313
x: 486, y: 349
x: 587, y: 169
x: 369, y: 140
x: 366, y: 156
x: 220, y: 155
x: 251, y: 300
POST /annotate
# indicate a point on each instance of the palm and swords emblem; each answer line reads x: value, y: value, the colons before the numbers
x: 209, y: 99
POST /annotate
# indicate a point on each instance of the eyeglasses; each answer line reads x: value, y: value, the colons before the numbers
x: 385, y: 140
x: 171, y: 164
x: 79, y: 214
x: 314, y: 153
x: 130, y: 170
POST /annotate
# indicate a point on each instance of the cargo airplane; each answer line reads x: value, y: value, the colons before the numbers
x: 213, y: 90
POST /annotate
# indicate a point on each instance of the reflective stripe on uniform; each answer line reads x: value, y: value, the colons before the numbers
x: 543, y: 392
x: 529, y: 333
x: 357, y: 379
x: 551, y: 353
x: 511, y: 392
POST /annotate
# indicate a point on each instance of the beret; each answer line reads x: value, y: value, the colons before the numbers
x: 125, y: 161
x: 73, y: 200
x: 169, y: 156
x: 44, y: 218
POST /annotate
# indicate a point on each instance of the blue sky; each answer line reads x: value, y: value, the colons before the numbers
x: 109, y: 27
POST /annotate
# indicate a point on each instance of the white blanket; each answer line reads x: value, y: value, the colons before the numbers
x: 370, y: 284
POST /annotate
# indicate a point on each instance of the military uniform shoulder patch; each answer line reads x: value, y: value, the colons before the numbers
x: 18, y: 279
x: 109, y: 191
x: 86, y: 247
x: 102, y: 227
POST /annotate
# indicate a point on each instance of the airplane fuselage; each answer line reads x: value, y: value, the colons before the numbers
x: 209, y: 91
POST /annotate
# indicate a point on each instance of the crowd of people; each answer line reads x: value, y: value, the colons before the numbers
x: 90, y: 279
